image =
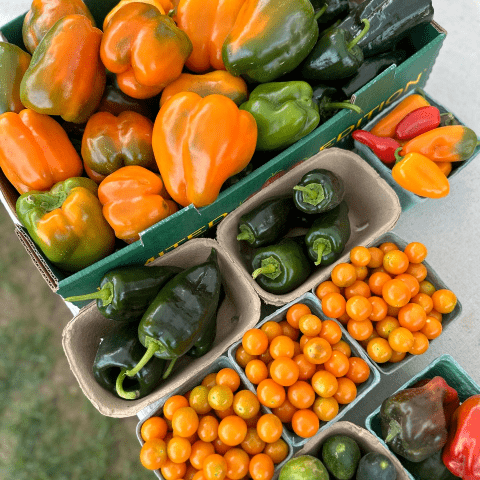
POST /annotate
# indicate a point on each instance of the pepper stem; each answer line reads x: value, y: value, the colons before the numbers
x: 246, y: 234
x: 360, y: 35
x: 398, y: 157
x: 47, y: 201
x: 169, y: 369
x: 394, y: 429
x: 320, y: 250
x: 105, y: 294
x: 313, y: 193
x: 119, y: 387
x: 270, y: 268
x: 336, y: 105
x: 321, y: 11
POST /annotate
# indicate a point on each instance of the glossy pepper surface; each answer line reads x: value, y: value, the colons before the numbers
x: 35, y: 151
x: 207, y: 24
x: 430, y: 468
x: 193, y: 159
x: 281, y: 267
x: 270, y: 38
x: 453, y: 143
x: 328, y: 12
x: 134, y: 199
x: 461, y: 454
x: 163, y: 6
x: 284, y: 112
x: 121, y: 349
x: 415, y: 421
x: 218, y: 81
x: 13, y: 65
x: 178, y: 315
x: 383, y: 147
x: 328, y: 235
x: 126, y: 292
x: 66, y: 76
x: 267, y: 222
x: 329, y: 102
x: 418, y: 174
x: 67, y: 223
x: 144, y: 48
x: 417, y: 122
x: 318, y: 191
x: 335, y: 56
x: 111, y: 142
x: 44, y: 14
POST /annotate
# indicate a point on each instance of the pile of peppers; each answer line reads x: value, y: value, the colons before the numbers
x: 420, y: 144
x: 160, y: 313
x: 436, y: 435
x: 280, y: 262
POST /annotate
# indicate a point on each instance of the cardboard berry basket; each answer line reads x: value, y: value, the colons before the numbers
x: 362, y: 389
x: 408, y: 199
x: 239, y: 311
x: 215, y: 366
x: 444, y: 366
x: 374, y: 209
x: 422, y: 45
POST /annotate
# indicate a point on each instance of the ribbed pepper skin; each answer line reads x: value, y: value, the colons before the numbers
x: 66, y: 76
x: 163, y: 6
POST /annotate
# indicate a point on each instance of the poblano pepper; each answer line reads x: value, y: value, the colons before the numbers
x: 318, y: 191
x: 126, y: 292
x: 336, y: 55
x: 284, y: 111
x: 328, y: 12
x: 177, y: 316
x: 328, y: 235
x: 121, y: 349
x: 329, y: 101
x: 280, y: 268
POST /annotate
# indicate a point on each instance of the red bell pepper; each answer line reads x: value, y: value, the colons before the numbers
x: 461, y: 454
x: 383, y: 147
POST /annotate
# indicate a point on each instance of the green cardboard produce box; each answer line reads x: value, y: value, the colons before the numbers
x: 423, y: 44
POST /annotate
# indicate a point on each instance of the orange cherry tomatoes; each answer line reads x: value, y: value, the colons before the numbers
x: 317, y: 350
x: 153, y: 454
x: 358, y: 370
x: 395, y: 262
x: 255, y: 341
x: 401, y: 339
x: 282, y: 346
x: 269, y: 428
x: 295, y: 312
x: 237, y: 463
x: 416, y: 252
x: 153, y: 427
x: 359, y: 308
x: 412, y: 316
x: 343, y: 275
x: 360, y: 256
x: 261, y: 467
x: 270, y: 393
x: 232, y: 430
x: 379, y: 350
x: 326, y: 409
x: 444, y: 301
x: 333, y: 305
x: 346, y: 391
x: 324, y: 383
x: 396, y: 293
x: 305, y: 423
x: 284, y: 371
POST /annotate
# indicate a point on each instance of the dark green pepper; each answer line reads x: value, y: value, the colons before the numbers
x: 267, y: 222
x: 318, y: 191
x: 390, y: 21
x: 331, y: 11
x: 432, y: 468
x: 327, y: 237
x: 329, y: 102
x: 126, y: 292
x: 121, y: 349
x: 335, y: 56
x: 284, y: 111
x: 177, y: 315
x: 280, y: 268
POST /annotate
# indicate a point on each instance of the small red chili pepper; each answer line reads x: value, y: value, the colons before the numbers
x: 419, y: 121
x: 383, y: 147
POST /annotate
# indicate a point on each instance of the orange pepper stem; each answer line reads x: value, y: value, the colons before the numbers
x: 360, y: 35
x: 105, y: 294
x: 321, y: 11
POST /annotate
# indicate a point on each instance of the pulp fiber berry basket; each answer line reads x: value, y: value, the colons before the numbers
x: 432, y: 276
x: 362, y: 389
x: 444, y: 366
x: 218, y: 364
x: 407, y: 199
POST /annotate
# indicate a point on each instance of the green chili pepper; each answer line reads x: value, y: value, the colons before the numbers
x: 126, y: 292
x: 282, y: 267
x: 329, y: 102
x: 329, y: 11
x: 177, y: 316
x: 120, y: 349
x: 267, y: 222
x: 318, y: 191
x: 327, y: 237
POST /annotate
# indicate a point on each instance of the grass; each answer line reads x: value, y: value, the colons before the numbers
x: 48, y: 429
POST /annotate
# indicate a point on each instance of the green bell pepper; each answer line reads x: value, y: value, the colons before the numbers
x: 284, y: 111
x: 126, y: 292
x: 177, y: 316
x: 335, y: 56
x: 328, y: 235
x: 282, y: 267
x: 269, y: 39
x: 120, y: 349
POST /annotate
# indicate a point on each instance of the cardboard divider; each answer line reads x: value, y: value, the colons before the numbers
x: 374, y: 209
x: 362, y: 389
x: 444, y: 366
x: 239, y: 311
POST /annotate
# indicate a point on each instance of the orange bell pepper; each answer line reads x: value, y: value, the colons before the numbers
x: 144, y: 48
x: 35, y: 151
x: 207, y: 24
x: 134, y: 199
x: 200, y: 142
x: 164, y: 6
x: 385, y: 127
x: 419, y: 175
x: 453, y: 143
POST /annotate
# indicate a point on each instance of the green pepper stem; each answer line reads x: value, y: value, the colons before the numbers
x: 394, y: 429
x: 105, y: 294
x: 360, y: 35
x: 169, y: 369
x: 320, y: 250
x: 321, y: 11
x: 313, y: 193
x: 336, y: 105
x: 263, y: 270
x: 246, y: 234
x: 398, y: 157
x: 119, y: 387
x: 47, y: 201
